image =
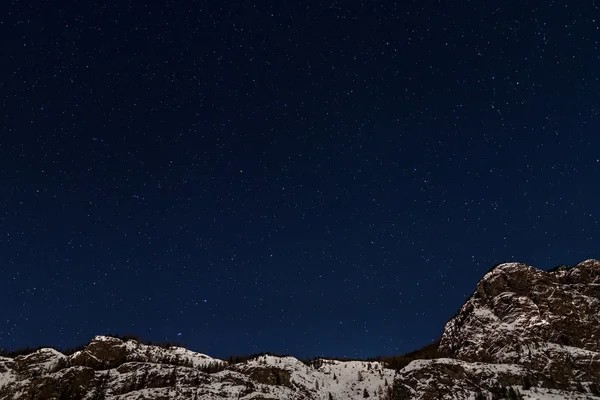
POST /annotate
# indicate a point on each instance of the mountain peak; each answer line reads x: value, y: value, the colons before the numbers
x: 513, y: 277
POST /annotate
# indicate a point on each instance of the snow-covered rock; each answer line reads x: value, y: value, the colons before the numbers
x: 111, y: 368
x: 545, y: 322
x: 523, y: 334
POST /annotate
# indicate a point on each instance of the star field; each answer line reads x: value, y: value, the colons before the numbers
x: 297, y: 177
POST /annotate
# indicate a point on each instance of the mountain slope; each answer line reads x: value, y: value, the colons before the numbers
x: 522, y: 327
x: 524, y: 333
x: 111, y: 368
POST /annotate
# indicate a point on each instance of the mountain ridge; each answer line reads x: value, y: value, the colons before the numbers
x: 523, y: 333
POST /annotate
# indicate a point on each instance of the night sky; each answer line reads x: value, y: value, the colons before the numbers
x: 311, y: 178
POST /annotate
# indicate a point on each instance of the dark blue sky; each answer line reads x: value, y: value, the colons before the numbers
x: 297, y: 177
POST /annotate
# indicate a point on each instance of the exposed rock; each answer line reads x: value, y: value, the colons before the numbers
x: 270, y: 376
x: 517, y: 307
x: 68, y: 383
x: 102, y: 353
x: 453, y: 379
x: 545, y: 322
x: 524, y: 333
x: 40, y: 362
x: 180, y: 376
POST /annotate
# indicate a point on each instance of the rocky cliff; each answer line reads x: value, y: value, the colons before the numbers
x: 524, y: 333
x: 110, y: 368
x: 534, y: 331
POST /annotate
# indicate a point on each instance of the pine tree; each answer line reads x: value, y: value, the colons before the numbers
x: 360, y: 376
x: 141, y: 383
x: 65, y: 394
x: 365, y: 393
x: 173, y: 377
x: 390, y: 393
x: 481, y: 396
x: 100, y: 393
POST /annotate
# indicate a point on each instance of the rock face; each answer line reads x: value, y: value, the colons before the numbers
x: 522, y: 328
x: 516, y: 306
x: 524, y: 333
x: 110, y: 368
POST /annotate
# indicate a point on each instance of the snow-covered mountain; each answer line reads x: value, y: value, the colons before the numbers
x: 522, y: 328
x: 110, y: 368
x: 524, y: 333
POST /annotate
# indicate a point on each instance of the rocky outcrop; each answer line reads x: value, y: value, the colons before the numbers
x: 453, y: 379
x: 270, y: 376
x: 517, y: 309
x: 107, y: 369
x: 104, y: 368
x: 524, y: 333
x: 546, y: 324
x: 73, y: 382
x: 102, y: 352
